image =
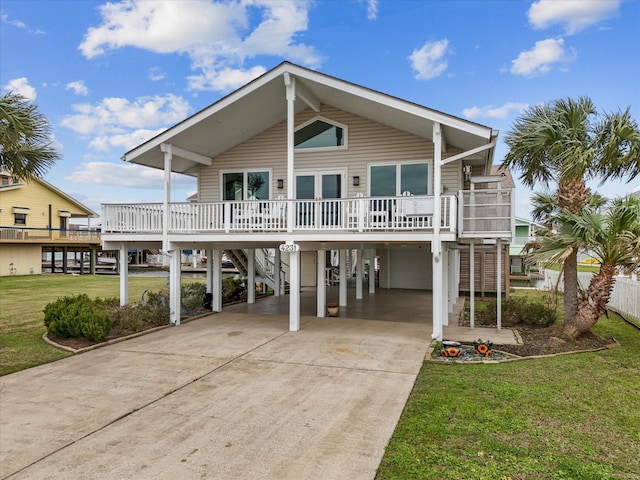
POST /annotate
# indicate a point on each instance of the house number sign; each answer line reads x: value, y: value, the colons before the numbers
x: 289, y: 247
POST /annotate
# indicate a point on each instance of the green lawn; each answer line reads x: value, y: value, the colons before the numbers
x: 23, y: 298
x: 569, y: 417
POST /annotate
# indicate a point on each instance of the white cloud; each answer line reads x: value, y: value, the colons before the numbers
x: 541, y: 58
x: 216, y: 36
x: 125, y: 175
x: 428, y: 62
x: 20, y: 86
x: 78, y: 87
x: 156, y: 74
x: 117, y: 115
x: 125, y: 141
x: 489, y: 111
x: 572, y: 15
x: 372, y: 9
x: 224, y: 80
x: 16, y: 23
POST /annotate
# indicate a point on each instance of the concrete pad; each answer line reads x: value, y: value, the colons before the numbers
x: 505, y: 336
x: 226, y: 396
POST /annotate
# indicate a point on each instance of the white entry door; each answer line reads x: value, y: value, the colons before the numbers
x: 319, y: 186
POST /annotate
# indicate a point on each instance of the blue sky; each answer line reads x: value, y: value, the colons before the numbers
x: 111, y: 75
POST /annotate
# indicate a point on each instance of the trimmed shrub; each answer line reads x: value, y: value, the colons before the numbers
x: 518, y: 311
x: 78, y: 316
x: 233, y: 290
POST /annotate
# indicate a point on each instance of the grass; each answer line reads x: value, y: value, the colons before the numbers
x: 22, y: 299
x: 570, y: 417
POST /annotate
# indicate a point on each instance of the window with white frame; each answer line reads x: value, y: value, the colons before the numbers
x: 394, y: 179
x: 245, y: 185
x: 320, y: 133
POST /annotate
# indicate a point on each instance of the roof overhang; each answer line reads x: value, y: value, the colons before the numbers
x: 262, y: 104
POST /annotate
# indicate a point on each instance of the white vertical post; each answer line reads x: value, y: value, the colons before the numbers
x: 215, y: 258
x: 372, y: 271
x: 251, y: 275
x: 290, y: 85
x: 444, y: 298
x: 436, y: 244
x: 359, y: 270
x: 174, y: 286
x: 472, y: 287
x: 452, y: 279
x: 343, y: 278
x: 168, y: 156
x: 277, y: 260
x: 294, y: 291
x: 499, y: 284
x: 209, y: 268
x: 321, y: 290
x: 124, y: 273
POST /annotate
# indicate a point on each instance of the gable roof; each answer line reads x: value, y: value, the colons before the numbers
x: 262, y: 104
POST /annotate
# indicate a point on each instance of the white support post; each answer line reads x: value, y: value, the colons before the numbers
x: 209, y: 268
x: 359, y: 271
x: 294, y: 291
x: 472, y: 287
x: 444, y: 298
x: 321, y: 290
x: 277, y: 260
x: 499, y: 283
x: 290, y: 85
x: 124, y: 273
x: 436, y: 244
x: 251, y: 275
x: 372, y: 270
x: 174, y: 287
x: 451, y: 276
x: 215, y: 258
x: 343, y: 278
x: 168, y: 157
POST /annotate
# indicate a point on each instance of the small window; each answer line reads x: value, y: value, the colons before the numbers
x: 319, y: 134
x: 4, y: 180
x: 20, y: 218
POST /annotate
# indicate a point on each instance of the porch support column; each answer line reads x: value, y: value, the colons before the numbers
x: 343, y: 278
x: 290, y: 85
x: 93, y: 260
x: 452, y: 279
x: 359, y: 270
x: 472, y: 286
x: 294, y: 291
x: 214, y: 257
x: 168, y: 157
x: 321, y: 290
x: 277, y: 259
x: 124, y: 274
x: 372, y: 271
x: 445, y: 286
x: 174, y: 286
x: 499, y: 284
x: 436, y: 244
x: 251, y: 275
x: 209, y: 269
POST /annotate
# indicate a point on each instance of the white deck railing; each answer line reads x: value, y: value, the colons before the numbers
x: 344, y: 214
x: 485, y: 211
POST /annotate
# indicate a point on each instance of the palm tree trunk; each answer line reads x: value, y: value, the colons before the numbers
x: 571, y: 286
x: 594, y: 304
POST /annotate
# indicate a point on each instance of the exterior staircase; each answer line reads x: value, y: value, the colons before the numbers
x: 264, y: 266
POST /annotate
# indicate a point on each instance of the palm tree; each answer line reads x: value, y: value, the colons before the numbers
x: 566, y: 142
x: 613, y: 236
x: 25, y: 138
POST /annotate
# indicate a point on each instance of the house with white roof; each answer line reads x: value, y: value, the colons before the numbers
x: 297, y: 170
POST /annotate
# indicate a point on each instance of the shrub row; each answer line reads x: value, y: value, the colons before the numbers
x: 518, y: 311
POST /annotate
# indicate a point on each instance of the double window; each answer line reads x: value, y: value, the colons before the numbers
x: 396, y: 179
x: 246, y: 185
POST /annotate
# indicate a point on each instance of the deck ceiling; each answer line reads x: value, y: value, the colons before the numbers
x: 262, y: 104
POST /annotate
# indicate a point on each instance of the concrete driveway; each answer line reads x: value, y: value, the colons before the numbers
x: 228, y: 396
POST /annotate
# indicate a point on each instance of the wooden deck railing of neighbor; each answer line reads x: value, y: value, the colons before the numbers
x: 48, y: 235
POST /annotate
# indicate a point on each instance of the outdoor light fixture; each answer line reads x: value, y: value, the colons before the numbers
x: 356, y: 180
x: 280, y: 183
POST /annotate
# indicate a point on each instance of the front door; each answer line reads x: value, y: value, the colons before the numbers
x: 319, y: 186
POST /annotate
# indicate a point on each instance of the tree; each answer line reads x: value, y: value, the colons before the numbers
x: 25, y: 138
x: 613, y: 236
x: 566, y: 142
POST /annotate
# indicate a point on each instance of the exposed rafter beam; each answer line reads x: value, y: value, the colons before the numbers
x: 468, y: 153
x: 181, y: 152
x: 304, y: 94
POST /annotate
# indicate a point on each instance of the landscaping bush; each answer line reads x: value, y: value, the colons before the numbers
x: 77, y: 316
x: 152, y: 312
x: 193, y: 294
x: 233, y: 290
x: 517, y: 311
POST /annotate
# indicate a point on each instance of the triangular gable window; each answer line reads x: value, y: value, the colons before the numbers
x: 320, y: 133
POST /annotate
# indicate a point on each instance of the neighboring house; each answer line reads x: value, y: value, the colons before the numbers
x: 296, y: 170
x: 525, y: 232
x: 35, y: 224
